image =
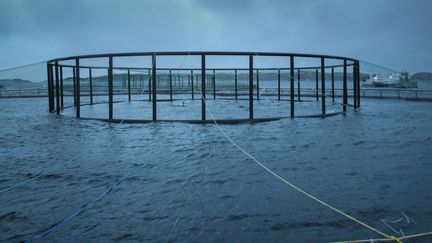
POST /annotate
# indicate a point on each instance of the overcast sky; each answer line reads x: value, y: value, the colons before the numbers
x: 392, y: 33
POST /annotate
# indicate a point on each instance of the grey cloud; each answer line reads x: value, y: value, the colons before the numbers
x: 393, y: 33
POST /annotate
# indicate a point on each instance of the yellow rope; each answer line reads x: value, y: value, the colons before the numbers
x: 417, y: 235
x: 389, y: 237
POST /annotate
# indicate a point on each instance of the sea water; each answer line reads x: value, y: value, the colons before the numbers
x: 188, y: 183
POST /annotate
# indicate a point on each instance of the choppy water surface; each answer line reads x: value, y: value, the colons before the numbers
x: 191, y: 184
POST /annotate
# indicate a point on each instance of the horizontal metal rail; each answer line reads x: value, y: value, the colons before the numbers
x: 199, y: 53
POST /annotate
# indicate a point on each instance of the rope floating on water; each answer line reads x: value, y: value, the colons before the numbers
x: 76, y: 213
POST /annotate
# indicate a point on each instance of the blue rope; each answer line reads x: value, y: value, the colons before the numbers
x: 83, y: 208
x: 76, y: 213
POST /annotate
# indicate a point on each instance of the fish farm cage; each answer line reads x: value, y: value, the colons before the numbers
x: 202, y: 86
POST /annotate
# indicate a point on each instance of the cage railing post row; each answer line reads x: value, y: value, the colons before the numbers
x: 61, y: 88
x: 345, y: 91
x: 110, y: 88
x: 55, y: 84
x: 332, y: 85
x: 154, y: 115
x: 203, y: 87
x: 78, y: 89
x: 292, y: 86
x: 129, y: 84
x: 91, y: 85
x: 279, y: 84
x: 323, y: 105
x: 251, y: 78
x: 57, y: 88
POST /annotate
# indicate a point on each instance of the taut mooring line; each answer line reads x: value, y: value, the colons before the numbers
x: 387, y: 237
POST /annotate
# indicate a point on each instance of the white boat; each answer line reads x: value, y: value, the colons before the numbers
x: 391, y: 80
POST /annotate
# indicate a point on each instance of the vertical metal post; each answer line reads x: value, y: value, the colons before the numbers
x: 358, y: 83
x: 78, y: 89
x: 50, y: 107
x: 236, y: 83
x: 292, y: 85
x: 154, y: 86
x: 52, y: 87
x: 61, y: 88
x: 203, y: 87
x: 345, y: 89
x: 332, y: 84
x: 170, y: 85
x: 279, y: 85
x: 74, y: 84
x: 110, y: 88
x: 251, y: 78
x: 323, y: 105
x: 149, y: 84
x: 192, y: 83
x: 354, y: 79
x: 57, y: 88
x: 298, y: 84
x: 214, y: 84
x: 257, y: 86
x: 128, y: 80
x: 316, y: 84
x: 91, y: 85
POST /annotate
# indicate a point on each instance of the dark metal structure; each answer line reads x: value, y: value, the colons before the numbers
x: 56, y: 67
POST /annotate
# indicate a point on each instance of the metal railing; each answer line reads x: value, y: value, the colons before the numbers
x: 56, y: 90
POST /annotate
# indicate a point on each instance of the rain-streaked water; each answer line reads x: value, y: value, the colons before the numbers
x: 188, y: 183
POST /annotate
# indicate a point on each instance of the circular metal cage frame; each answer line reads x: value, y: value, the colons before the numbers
x: 56, y: 90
